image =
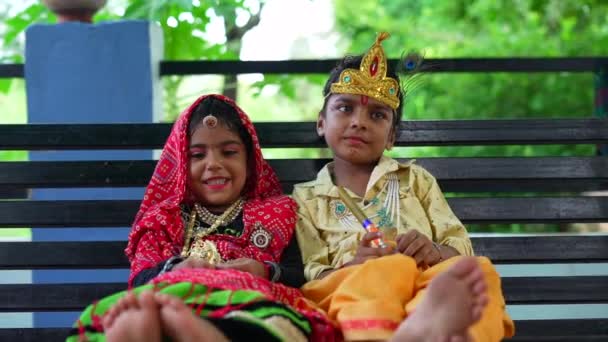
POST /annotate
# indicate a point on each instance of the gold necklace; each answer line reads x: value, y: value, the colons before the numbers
x: 210, y: 218
x: 207, y: 249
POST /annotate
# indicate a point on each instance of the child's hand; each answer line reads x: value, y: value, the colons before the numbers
x: 246, y: 265
x: 366, y: 251
x: 193, y: 262
x: 419, y: 247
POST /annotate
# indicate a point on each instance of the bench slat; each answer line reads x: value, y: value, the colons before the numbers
x: 562, y: 330
x: 585, y: 330
x: 543, y: 249
x: 110, y: 254
x: 567, y: 338
x: 63, y: 255
x: 53, y: 297
x: 464, y: 174
x: 323, y: 66
x: 13, y: 193
x: 94, y: 213
x: 555, y: 290
x: 303, y: 134
x: 34, y: 334
x: 518, y: 290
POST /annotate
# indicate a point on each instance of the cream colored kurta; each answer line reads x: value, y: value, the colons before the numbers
x: 326, y: 243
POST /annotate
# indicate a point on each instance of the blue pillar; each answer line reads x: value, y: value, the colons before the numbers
x: 84, y: 73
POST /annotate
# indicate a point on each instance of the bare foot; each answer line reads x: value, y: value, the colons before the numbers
x: 179, y: 322
x: 123, y: 303
x: 133, y: 319
x: 454, y: 301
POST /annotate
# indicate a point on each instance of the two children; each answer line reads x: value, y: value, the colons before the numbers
x: 213, y: 238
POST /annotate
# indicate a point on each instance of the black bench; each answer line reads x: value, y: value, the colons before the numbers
x: 549, y: 177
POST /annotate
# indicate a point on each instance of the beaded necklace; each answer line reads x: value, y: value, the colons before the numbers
x: 204, y: 249
x: 210, y: 218
x: 388, y: 214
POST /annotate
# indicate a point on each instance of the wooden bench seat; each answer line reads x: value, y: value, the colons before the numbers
x: 548, y: 189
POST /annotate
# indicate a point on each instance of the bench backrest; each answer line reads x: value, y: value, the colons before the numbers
x: 532, y: 190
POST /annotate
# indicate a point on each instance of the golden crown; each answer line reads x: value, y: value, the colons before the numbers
x: 370, y: 79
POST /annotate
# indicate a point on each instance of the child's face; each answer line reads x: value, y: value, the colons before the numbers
x: 218, y: 166
x: 357, y: 128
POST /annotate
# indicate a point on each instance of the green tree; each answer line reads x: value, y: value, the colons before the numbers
x: 11, y: 30
x: 184, y: 24
x: 487, y: 28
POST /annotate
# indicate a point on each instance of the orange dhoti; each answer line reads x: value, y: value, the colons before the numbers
x: 370, y: 300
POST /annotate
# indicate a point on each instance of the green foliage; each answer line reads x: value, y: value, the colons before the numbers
x: 284, y: 82
x: 179, y: 41
x: 183, y: 22
x: 14, y: 26
x: 486, y: 28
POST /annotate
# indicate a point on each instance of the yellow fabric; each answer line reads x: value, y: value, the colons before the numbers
x: 370, y: 300
x: 327, y: 244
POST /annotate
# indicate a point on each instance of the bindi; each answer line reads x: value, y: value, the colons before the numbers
x: 210, y: 121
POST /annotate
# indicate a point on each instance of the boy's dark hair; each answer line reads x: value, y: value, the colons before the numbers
x: 354, y: 62
x: 226, y: 115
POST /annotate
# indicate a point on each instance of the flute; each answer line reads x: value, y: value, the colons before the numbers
x: 365, y: 222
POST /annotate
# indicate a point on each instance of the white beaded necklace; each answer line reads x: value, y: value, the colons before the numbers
x: 388, y: 213
x: 210, y: 218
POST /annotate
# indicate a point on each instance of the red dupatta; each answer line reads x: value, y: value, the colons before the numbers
x: 158, y: 230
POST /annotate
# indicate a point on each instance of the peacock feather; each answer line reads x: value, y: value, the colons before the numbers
x: 412, y: 67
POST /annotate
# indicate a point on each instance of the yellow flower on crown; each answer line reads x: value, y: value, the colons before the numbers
x: 370, y: 79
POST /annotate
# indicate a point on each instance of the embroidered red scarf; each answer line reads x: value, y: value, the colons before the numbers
x: 158, y: 230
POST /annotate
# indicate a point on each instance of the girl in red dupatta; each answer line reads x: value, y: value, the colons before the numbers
x: 215, y: 231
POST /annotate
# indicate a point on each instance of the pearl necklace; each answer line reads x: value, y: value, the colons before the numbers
x: 210, y: 218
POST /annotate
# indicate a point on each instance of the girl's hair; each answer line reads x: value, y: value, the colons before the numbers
x: 354, y: 62
x: 228, y: 116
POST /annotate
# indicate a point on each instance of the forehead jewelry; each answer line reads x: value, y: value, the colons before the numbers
x: 370, y: 80
x: 210, y: 121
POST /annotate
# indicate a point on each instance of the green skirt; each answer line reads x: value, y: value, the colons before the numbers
x: 240, y: 315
